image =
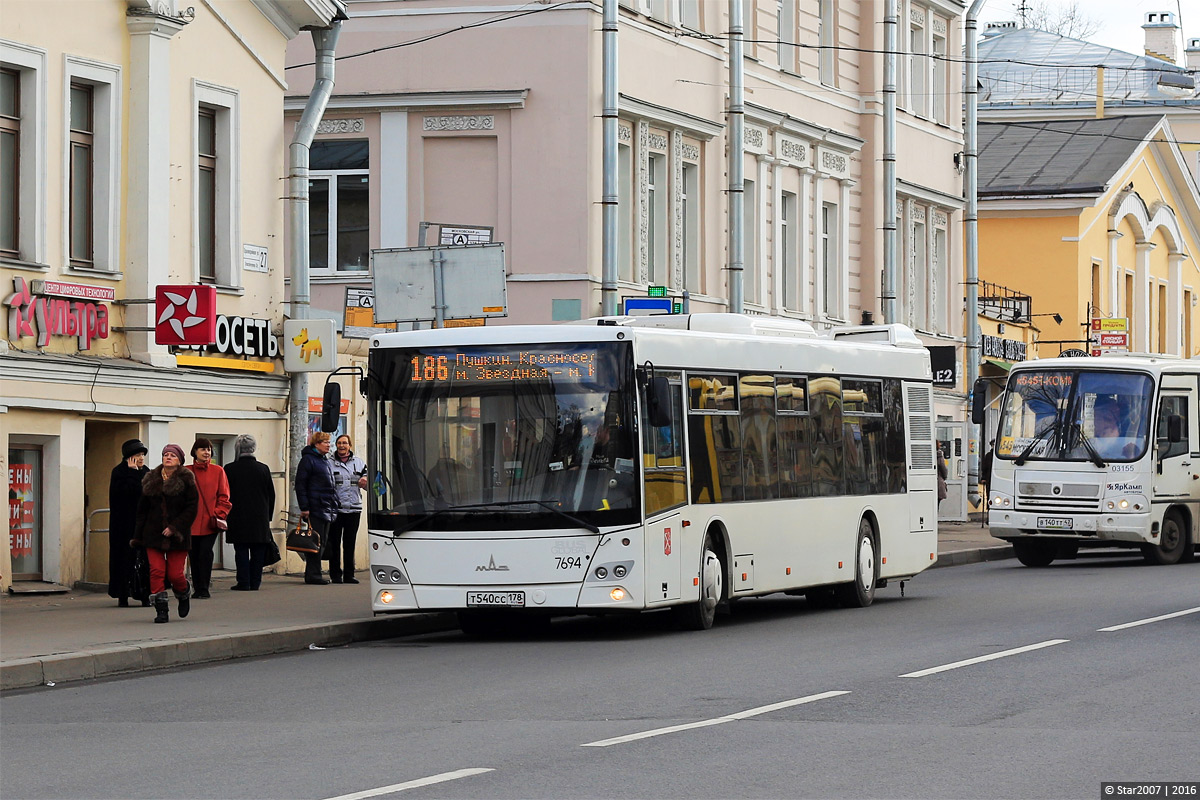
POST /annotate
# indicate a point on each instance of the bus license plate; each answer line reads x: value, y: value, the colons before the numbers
x: 1055, y: 523
x: 508, y: 599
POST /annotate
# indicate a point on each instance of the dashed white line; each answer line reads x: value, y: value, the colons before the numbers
x: 968, y: 662
x: 419, y: 782
x: 1148, y: 621
x: 753, y: 712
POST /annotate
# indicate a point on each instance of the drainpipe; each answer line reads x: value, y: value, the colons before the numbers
x: 971, y: 234
x: 608, y: 279
x: 737, y: 146
x: 324, y: 41
x: 889, y: 163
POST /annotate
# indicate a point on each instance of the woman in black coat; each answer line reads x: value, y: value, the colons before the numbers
x: 317, y: 497
x: 124, y: 491
x: 252, y: 493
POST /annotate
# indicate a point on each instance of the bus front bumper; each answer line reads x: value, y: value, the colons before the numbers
x: 1101, y: 529
x: 556, y: 596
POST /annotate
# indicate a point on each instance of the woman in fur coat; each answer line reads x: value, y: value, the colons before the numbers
x: 164, y: 527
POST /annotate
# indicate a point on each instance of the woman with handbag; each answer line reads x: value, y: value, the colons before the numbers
x: 164, y: 527
x: 252, y: 497
x: 349, y: 479
x: 210, y: 518
x: 124, y: 491
x: 317, y: 498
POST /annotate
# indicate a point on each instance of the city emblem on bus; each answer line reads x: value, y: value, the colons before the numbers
x: 491, y: 566
x: 667, y: 542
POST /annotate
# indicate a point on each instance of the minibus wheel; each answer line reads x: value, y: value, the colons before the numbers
x: 699, y: 616
x: 1172, y: 541
x: 1034, y: 554
x: 861, y: 591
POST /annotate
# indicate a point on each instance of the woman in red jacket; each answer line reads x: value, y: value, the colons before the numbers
x: 210, y: 514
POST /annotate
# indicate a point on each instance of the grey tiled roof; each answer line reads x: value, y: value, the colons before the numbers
x: 1057, y: 157
x: 1072, y: 79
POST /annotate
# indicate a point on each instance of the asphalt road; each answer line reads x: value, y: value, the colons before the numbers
x: 779, y: 700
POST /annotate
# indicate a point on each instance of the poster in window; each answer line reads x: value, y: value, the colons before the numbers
x: 20, y: 509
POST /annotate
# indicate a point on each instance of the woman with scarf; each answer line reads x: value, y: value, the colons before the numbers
x: 164, y: 527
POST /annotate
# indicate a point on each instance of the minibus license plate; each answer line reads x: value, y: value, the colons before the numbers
x: 1055, y: 523
x: 509, y: 599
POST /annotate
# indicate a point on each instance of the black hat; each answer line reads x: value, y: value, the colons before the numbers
x: 132, y: 448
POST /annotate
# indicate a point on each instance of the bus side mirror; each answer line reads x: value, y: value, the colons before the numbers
x: 658, y: 401
x: 331, y: 406
x: 979, y: 401
x: 1174, y: 428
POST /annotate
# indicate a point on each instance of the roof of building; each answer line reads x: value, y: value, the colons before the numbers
x: 1057, y: 157
x: 1025, y: 66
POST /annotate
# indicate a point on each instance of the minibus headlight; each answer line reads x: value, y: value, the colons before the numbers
x: 617, y: 594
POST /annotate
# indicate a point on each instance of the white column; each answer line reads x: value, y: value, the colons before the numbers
x: 844, y: 249
x: 1114, y: 275
x: 818, y: 278
x: 760, y: 249
x: 804, y: 242
x: 148, y: 194
x: 778, y: 301
x: 1175, y: 309
x: 1141, y: 294
x: 393, y: 178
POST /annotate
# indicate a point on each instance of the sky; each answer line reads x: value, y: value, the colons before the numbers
x: 1121, y: 20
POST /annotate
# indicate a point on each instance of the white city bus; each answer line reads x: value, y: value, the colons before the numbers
x: 1097, y: 452
x: 636, y: 463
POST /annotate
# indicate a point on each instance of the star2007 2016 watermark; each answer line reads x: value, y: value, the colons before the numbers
x: 1150, y: 789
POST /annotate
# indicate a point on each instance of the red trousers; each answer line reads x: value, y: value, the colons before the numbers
x: 166, y: 566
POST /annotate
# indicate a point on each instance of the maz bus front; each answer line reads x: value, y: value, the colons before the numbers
x: 1097, y: 452
x: 616, y: 466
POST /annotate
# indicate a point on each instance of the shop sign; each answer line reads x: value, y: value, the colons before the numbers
x: 20, y: 509
x: 32, y: 311
x: 75, y: 291
x: 1111, y: 324
x: 1005, y: 349
x: 944, y: 362
x: 242, y: 336
x: 185, y: 314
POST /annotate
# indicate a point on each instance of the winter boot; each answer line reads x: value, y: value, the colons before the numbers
x: 185, y: 603
x: 160, y: 607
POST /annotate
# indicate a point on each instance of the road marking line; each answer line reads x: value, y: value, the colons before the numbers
x: 419, y: 782
x: 1148, y: 621
x: 981, y: 659
x: 753, y: 712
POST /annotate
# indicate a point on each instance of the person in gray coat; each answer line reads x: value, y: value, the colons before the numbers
x: 252, y: 493
x: 349, y: 479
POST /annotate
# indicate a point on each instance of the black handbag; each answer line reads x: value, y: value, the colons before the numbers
x: 272, y: 555
x: 303, y: 539
x: 139, y: 576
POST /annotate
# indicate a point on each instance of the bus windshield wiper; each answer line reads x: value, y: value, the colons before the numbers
x: 1020, y: 460
x: 1087, y: 445
x: 477, y: 506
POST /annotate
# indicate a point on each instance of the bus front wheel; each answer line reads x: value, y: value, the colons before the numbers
x: 860, y: 592
x: 1034, y: 554
x: 1173, y: 540
x: 699, y: 616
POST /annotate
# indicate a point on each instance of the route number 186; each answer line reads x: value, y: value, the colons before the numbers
x: 430, y: 368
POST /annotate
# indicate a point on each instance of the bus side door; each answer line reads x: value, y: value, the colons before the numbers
x: 664, y: 473
x: 1176, y: 465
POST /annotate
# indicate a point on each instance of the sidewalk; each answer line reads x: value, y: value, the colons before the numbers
x: 47, y: 639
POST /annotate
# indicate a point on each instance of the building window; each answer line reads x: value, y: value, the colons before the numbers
x: 625, y: 211
x: 1129, y: 303
x: 750, y: 241
x: 918, y: 274
x: 1163, y: 345
x: 339, y: 205
x: 689, y: 14
x: 25, y: 506
x: 789, y: 251
x: 206, y: 190
x: 658, y: 10
x: 691, y: 227
x: 1094, y: 310
x: 827, y: 39
x: 787, y: 35
x: 940, y: 87
x: 1188, y: 300
x: 941, y: 254
x: 831, y: 272
x: 749, y: 12
x: 10, y: 162
x: 656, y: 201
x: 916, y: 71
x: 80, y: 173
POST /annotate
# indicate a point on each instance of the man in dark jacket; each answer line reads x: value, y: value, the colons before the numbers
x: 124, y: 492
x: 317, y: 497
x: 252, y: 493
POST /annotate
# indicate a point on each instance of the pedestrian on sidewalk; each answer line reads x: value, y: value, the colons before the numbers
x: 213, y: 487
x: 942, y: 473
x: 317, y: 498
x: 124, y: 491
x: 252, y: 497
x: 164, y: 527
x: 349, y: 479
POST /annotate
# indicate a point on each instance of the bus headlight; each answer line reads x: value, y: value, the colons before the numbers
x: 385, y: 597
x: 601, y: 572
x: 1001, y: 501
x: 1133, y: 502
x: 617, y: 594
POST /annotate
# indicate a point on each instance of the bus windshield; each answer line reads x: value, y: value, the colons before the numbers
x: 1075, y: 415
x: 503, y: 437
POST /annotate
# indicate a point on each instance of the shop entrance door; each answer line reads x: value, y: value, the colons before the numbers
x: 25, y: 497
x: 102, y: 451
x: 951, y: 442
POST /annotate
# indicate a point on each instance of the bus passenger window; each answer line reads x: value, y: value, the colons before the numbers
x: 1177, y: 405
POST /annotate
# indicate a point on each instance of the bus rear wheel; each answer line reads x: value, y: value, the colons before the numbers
x: 861, y: 591
x: 1173, y: 540
x: 1034, y: 554
x: 699, y: 616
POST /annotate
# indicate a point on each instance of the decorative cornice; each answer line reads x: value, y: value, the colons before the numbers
x: 489, y: 99
x: 461, y: 122
x: 331, y: 126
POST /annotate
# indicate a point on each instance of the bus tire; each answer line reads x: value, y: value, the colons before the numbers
x: 1173, y: 540
x: 861, y: 591
x: 699, y: 616
x: 1034, y: 554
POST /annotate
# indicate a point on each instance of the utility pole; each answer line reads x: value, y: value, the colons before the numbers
x: 610, y: 200
x: 736, y: 146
